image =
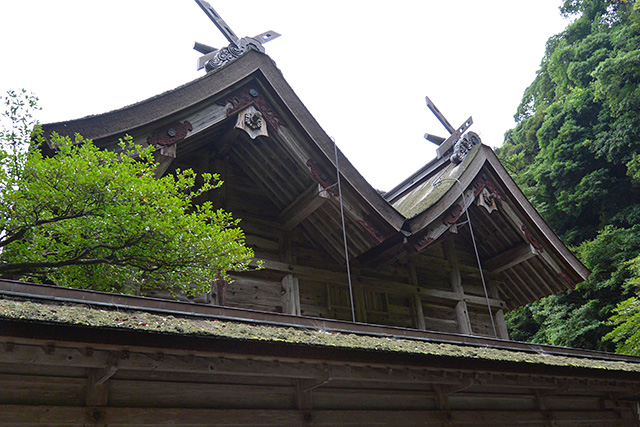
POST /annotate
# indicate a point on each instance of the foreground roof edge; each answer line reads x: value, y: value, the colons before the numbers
x: 76, y: 308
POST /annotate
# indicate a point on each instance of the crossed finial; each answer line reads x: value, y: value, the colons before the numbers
x: 214, y: 58
x: 446, y: 144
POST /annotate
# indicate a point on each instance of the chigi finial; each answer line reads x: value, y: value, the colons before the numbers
x: 214, y: 58
x: 460, y: 144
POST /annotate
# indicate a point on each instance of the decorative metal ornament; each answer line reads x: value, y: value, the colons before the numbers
x: 423, y: 242
x: 373, y: 231
x: 463, y: 146
x: 531, y: 238
x: 223, y: 56
x: 453, y: 215
x: 170, y: 134
x: 322, y: 178
x: 253, y: 120
x: 245, y: 97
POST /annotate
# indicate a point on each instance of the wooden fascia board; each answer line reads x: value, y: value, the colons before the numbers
x: 532, y: 216
x: 156, y: 109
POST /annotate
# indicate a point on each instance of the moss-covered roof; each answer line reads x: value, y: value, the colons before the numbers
x: 426, y: 194
x: 90, y: 316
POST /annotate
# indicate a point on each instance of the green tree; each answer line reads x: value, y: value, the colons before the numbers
x: 575, y: 151
x: 96, y: 219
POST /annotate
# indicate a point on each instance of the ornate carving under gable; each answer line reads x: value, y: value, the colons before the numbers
x: 170, y: 134
x: 250, y: 120
x: 487, y: 194
x: 245, y: 97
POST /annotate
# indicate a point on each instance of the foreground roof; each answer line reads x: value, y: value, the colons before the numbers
x: 74, y: 357
x: 43, y: 304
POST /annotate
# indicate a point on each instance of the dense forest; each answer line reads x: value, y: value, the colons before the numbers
x: 575, y: 152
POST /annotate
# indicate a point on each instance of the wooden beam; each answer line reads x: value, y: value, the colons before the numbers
x: 163, y: 164
x: 509, y: 258
x: 306, y: 204
x: 512, y: 216
x: 97, y: 386
x: 186, y: 362
x: 13, y: 415
x: 373, y: 283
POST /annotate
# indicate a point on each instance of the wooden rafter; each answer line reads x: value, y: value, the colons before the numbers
x: 303, y: 206
x: 510, y: 258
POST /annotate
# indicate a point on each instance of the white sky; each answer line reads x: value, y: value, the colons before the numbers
x: 362, y: 68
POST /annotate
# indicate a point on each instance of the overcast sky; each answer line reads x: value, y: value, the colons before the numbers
x: 362, y: 68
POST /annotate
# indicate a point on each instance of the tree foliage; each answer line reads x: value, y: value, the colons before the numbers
x: 575, y: 151
x: 96, y: 219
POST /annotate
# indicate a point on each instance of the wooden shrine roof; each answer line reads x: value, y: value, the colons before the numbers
x: 516, y: 243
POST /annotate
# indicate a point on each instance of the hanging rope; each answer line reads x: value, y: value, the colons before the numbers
x: 475, y: 247
x: 344, y: 233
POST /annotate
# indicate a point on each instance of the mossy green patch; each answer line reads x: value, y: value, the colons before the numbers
x: 90, y: 316
x: 425, y: 195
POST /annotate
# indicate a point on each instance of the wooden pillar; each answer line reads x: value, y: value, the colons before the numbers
x: 304, y: 399
x: 416, y: 302
x: 359, y: 304
x: 498, y: 316
x: 98, y: 387
x: 290, y: 295
x: 462, y: 312
x: 501, y: 325
x: 290, y: 284
x: 219, y: 195
x: 218, y: 292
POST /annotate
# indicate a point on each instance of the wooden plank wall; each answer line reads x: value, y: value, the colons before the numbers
x: 438, y: 289
x: 55, y: 388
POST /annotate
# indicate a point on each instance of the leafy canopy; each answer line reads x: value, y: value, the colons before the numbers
x: 95, y: 219
x: 575, y: 151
